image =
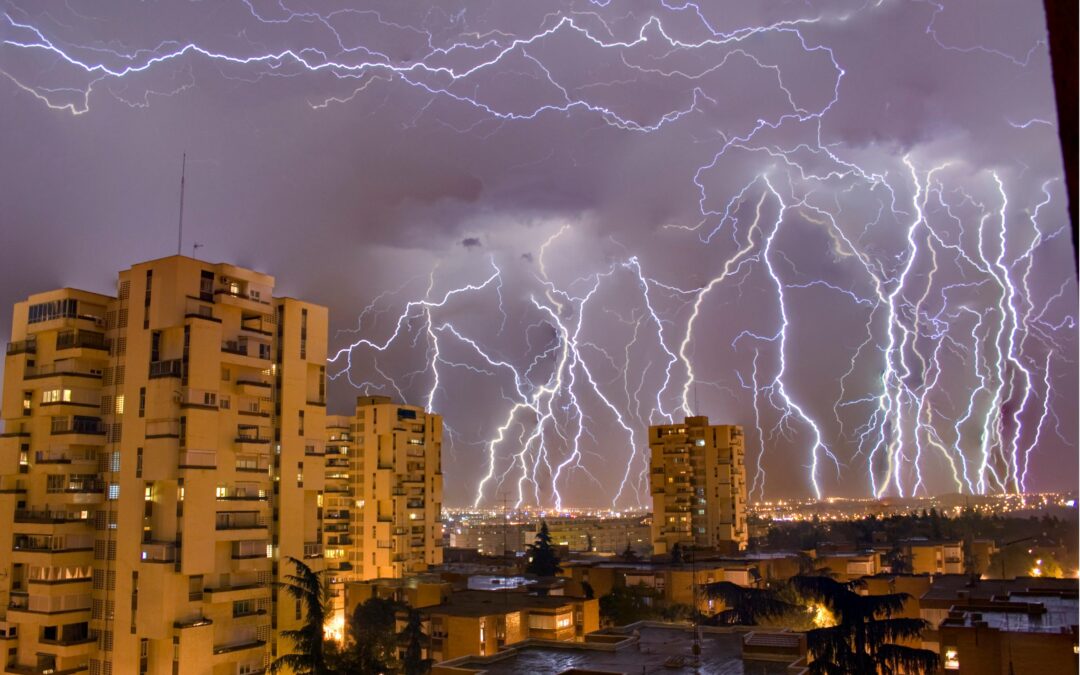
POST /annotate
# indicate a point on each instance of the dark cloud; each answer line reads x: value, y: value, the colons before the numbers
x: 471, y: 242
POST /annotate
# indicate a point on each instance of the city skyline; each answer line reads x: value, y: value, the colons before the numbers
x: 592, y: 216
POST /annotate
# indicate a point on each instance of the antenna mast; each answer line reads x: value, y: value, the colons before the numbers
x: 180, y: 233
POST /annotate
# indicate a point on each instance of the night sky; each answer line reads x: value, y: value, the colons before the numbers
x: 840, y: 224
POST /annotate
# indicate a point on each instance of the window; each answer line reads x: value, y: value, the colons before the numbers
x: 142, y: 401
x: 57, y: 309
x: 303, y: 333
x: 119, y: 404
x: 114, y: 491
x: 53, y: 396
x: 209, y: 398
x: 952, y: 659
x: 28, y: 401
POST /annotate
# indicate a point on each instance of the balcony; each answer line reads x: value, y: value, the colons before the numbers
x: 162, y: 369
x: 47, y: 517
x: 239, y: 646
x: 239, y: 520
x: 82, y: 430
x: 238, y: 493
x: 253, y: 591
x: 27, y: 346
x: 163, y: 428
x: 159, y: 552
x: 250, y: 349
x: 88, y: 459
x: 68, y: 367
x: 244, y: 550
x: 81, y: 339
x: 246, y: 435
x: 198, y: 459
x: 51, y: 544
x: 313, y: 549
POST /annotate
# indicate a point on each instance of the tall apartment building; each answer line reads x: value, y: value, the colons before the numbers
x: 698, y: 485
x: 397, y: 487
x: 163, y: 453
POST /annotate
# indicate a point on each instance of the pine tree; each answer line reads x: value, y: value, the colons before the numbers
x: 307, y: 588
x: 864, y: 639
x: 542, y: 559
x: 414, y: 662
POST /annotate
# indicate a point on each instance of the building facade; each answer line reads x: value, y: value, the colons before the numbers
x: 396, y: 480
x: 177, y: 432
x: 698, y: 485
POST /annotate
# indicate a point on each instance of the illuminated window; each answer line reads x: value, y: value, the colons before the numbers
x: 120, y: 404
x: 114, y: 491
x: 222, y: 491
x: 952, y: 659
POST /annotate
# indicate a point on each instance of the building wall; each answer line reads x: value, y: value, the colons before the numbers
x: 698, y: 484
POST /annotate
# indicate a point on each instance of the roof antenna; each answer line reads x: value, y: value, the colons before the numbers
x: 180, y: 234
x: 195, y: 247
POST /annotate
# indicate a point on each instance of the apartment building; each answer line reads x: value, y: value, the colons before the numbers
x: 698, y: 485
x: 177, y: 434
x: 396, y: 477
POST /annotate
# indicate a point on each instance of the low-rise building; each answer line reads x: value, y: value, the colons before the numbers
x: 1021, y: 634
x: 934, y: 557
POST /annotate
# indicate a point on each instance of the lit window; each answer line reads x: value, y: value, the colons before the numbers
x: 120, y: 404
x: 952, y: 659
x: 114, y: 491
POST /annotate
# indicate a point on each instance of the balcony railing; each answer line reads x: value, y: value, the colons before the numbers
x: 46, y: 516
x: 313, y: 549
x: 27, y: 346
x: 249, y: 549
x: 239, y: 521
x: 169, y: 368
x: 77, y: 425
x: 81, y: 339
x: 252, y: 435
x: 77, y: 367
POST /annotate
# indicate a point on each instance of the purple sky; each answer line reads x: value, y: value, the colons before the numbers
x: 841, y: 225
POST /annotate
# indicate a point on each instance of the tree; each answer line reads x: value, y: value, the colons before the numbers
x: 898, y: 561
x: 372, y: 638
x: 627, y: 604
x: 864, y: 638
x: 629, y: 554
x: 542, y: 559
x: 307, y: 588
x: 676, y: 553
x: 414, y: 662
x: 746, y: 606
x: 587, y: 589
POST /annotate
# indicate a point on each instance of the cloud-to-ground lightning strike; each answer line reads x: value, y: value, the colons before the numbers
x: 951, y: 291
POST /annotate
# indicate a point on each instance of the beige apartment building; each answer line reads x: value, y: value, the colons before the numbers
x: 163, y: 453
x: 698, y: 485
x: 397, y: 487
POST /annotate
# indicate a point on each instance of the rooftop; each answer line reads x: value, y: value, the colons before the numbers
x: 659, y: 649
x: 1021, y: 613
x: 486, y: 603
x: 948, y: 588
